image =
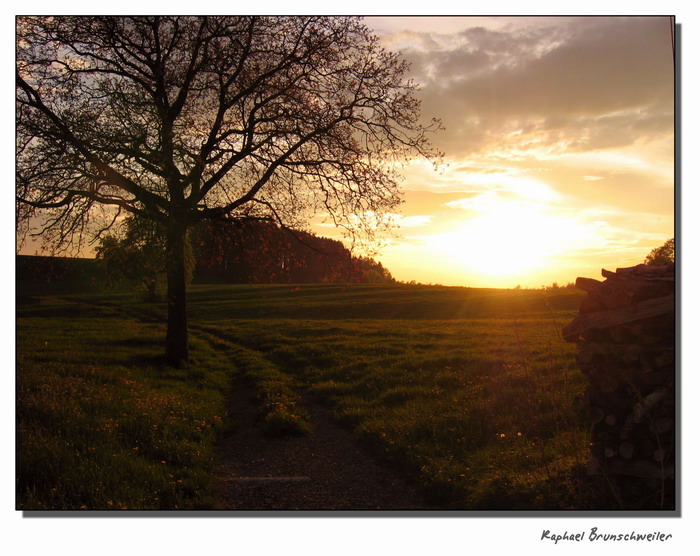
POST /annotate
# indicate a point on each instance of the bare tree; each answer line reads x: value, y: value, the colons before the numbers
x: 181, y: 119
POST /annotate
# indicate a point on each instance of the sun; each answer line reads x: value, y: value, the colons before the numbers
x: 510, y: 240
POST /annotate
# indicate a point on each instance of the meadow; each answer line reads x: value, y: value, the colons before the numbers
x: 472, y: 393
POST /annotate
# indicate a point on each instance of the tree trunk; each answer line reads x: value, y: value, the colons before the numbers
x: 176, y: 348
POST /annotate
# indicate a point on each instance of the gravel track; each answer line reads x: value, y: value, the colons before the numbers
x: 324, y: 470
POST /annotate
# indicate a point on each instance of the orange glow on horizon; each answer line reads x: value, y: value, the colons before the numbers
x: 510, y: 241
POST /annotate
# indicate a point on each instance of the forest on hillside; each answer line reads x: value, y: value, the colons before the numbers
x: 259, y: 252
x: 236, y: 252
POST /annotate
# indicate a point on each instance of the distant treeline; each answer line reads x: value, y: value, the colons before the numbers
x: 259, y: 252
x: 236, y: 253
x: 37, y: 275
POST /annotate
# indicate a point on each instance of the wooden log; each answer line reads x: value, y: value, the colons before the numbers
x: 639, y: 279
x: 655, y: 378
x: 622, y: 334
x: 616, y: 298
x: 642, y: 407
x: 626, y: 450
x: 606, y: 319
x: 647, y: 270
x: 641, y: 469
x: 596, y: 414
x: 591, y: 304
x: 661, y: 425
x: 608, y: 384
x: 666, y: 358
x: 627, y: 427
x: 626, y: 350
x: 588, y: 285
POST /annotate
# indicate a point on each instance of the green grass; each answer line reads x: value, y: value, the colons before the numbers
x: 470, y: 392
x: 101, y: 423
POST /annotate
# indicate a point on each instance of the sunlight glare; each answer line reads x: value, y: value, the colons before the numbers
x: 511, y: 239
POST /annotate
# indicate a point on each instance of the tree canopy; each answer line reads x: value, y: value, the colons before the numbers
x: 662, y: 255
x: 182, y: 119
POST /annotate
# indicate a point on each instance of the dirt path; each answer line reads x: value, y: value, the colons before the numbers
x: 325, y: 470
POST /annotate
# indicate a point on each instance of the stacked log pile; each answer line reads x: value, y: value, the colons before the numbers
x: 626, y: 348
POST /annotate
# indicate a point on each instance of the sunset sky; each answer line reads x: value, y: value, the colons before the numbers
x: 558, y: 142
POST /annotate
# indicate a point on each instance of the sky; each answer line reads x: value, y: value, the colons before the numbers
x: 558, y: 142
x: 559, y: 148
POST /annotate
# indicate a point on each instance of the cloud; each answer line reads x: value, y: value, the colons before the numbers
x: 480, y: 202
x: 413, y: 221
x: 559, y: 85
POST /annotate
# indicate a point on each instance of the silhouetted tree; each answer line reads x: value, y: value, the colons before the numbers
x: 372, y: 272
x: 138, y: 255
x: 183, y: 119
x: 665, y: 254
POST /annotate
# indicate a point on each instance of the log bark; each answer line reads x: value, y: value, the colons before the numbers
x: 606, y: 319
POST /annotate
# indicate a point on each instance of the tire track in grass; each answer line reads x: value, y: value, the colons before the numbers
x: 324, y: 469
x: 279, y: 407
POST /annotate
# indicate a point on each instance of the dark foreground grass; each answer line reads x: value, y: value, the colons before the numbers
x: 471, y: 392
x: 101, y: 423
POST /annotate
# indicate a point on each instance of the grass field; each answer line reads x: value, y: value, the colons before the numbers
x: 471, y: 392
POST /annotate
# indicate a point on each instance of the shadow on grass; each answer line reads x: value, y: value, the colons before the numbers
x: 155, y: 343
x: 150, y: 360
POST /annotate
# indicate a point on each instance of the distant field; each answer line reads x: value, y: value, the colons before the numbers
x: 471, y: 392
